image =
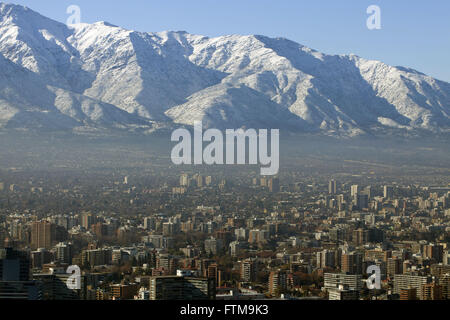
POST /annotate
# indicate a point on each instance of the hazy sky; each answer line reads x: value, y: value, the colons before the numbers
x: 414, y: 33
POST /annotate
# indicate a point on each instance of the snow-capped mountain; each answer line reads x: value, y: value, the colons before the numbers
x: 98, y: 75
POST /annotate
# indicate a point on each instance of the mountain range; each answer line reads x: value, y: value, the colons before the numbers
x: 92, y: 77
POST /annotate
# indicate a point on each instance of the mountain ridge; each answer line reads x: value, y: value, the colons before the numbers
x: 103, y: 76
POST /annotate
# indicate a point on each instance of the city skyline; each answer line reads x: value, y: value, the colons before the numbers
x: 139, y: 165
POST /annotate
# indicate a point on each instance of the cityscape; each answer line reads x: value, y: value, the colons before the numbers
x: 224, y: 233
x: 234, y: 159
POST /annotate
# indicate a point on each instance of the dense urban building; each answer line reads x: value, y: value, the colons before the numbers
x: 182, y: 288
x: 282, y: 239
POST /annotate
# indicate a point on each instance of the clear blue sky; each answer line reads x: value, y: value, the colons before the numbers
x: 414, y: 33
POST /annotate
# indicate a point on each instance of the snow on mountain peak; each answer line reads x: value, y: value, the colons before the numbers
x: 104, y: 75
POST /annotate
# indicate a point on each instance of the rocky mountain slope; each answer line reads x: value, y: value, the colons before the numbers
x: 54, y: 76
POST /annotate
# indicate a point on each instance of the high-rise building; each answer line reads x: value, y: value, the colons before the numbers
x: 225, y: 236
x: 184, y: 180
x: 149, y: 223
x: 168, y: 263
x: 213, y: 246
x: 241, y: 234
x: 257, y: 236
x: 170, y: 228
x: 274, y: 185
x: 434, y: 252
x: 54, y: 285
x: 351, y: 263
x: 431, y: 291
x: 223, y: 184
x: 354, y: 191
x: 388, y: 192
x: 362, y: 201
x: 368, y: 191
x: 326, y: 258
x: 40, y: 257
x: 394, y: 266
x: 64, y: 252
x: 156, y: 240
x: 341, y: 201
x: 3, y: 236
x: 439, y: 270
x: 199, y: 181
x: 277, y: 282
x: 376, y: 235
x: 14, y: 265
x: 338, y: 234
x: 408, y: 294
x: 87, y: 219
x: 42, y: 234
x: 349, y: 281
x: 235, y: 248
x: 377, y: 254
x: 332, y: 187
x: 248, y: 270
x: 182, y: 288
x: 342, y: 293
x: 15, y: 280
x: 406, y: 281
x: 360, y: 236
x: 102, y: 294
x: 124, y: 291
x: 96, y: 257
x: 263, y: 182
x: 445, y: 283
x: 99, y: 229
x: 212, y: 272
